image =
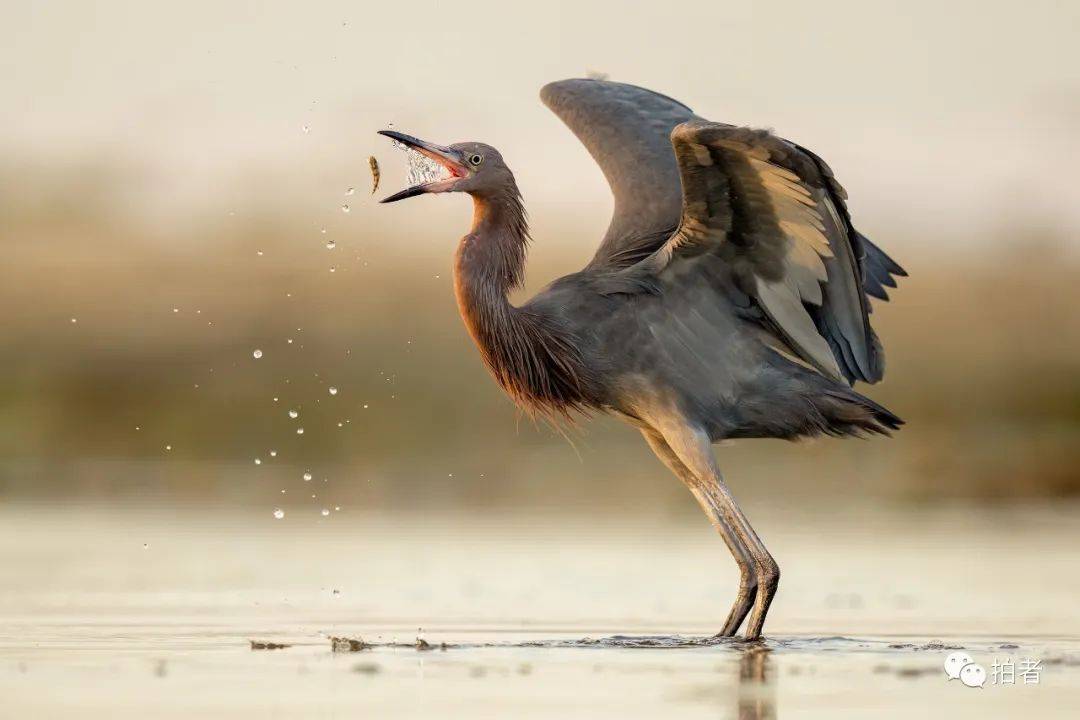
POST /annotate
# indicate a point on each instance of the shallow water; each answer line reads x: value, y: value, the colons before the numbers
x: 541, y: 617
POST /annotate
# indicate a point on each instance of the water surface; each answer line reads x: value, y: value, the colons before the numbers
x: 143, y: 612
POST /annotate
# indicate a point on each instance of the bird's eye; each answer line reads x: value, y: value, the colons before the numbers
x: 475, y: 160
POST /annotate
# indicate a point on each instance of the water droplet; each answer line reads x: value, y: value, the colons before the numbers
x: 299, y: 431
x: 305, y: 128
x: 176, y: 310
x: 74, y: 320
x: 330, y: 244
x: 278, y: 513
x: 146, y: 546
x: 289, y: 340
x: 259, y: 253
x: 258, y: 461
x: 345, y: 208
x: 421, y: 169
x: 337, y: 508
x: 292, y: 413
x: 350, y: 191
x: 333, y: 390
x: 307, y: 476
x: 257, y: 354
x: 168, y: 447
x: 325, y: 512
x: 273, y: 453
x: 323, y: 231
x: 333, y: 268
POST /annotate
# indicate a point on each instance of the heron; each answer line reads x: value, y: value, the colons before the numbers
x: 729, y: 297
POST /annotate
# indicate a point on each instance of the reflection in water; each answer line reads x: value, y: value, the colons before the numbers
x: 757, y: 693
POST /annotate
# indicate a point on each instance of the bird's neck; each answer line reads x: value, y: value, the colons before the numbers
x: 534, y: 361
x: 491, y: 258
x: 490, y: 262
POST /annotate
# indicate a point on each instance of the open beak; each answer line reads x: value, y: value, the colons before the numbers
x: 449, y: 158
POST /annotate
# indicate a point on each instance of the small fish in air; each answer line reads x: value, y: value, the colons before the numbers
x: 374, y: 173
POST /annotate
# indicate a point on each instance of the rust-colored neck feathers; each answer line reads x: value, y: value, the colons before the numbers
x: 536, y: 362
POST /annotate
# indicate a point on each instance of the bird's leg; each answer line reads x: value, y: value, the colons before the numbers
x: 693, y: 448
x: 744, y: 599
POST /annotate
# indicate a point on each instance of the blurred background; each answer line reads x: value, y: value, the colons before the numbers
x: 182, y: 185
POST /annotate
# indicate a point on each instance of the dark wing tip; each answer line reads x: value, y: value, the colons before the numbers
x: 879, y: 270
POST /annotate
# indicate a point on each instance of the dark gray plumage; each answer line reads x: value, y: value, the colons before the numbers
x: 626, y: 129
x: 728, y: 298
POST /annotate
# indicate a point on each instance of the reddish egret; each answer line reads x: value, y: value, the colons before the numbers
x: 728, y: 299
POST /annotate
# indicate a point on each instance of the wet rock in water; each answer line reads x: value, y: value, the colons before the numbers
x: 344, y: 644
x: 266, y: 645
x: 366, y: 668
x: 424, y: 646
x: 938, y: 645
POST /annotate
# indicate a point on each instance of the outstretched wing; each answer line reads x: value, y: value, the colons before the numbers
x: 627, y: 131
x: 776, y: 215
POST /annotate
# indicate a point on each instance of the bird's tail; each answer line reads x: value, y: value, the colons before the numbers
x: 846, y: 412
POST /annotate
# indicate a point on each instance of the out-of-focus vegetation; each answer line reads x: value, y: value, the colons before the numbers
x: 124, y: 336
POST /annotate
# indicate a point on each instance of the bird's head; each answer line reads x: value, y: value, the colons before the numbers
x: 470, y: 167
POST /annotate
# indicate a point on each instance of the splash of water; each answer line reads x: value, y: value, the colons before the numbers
x: 419, y: 168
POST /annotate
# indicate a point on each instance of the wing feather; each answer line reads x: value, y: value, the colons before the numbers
x: 781, y: 301
x: 779, y: 220
x: 787, y: 209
